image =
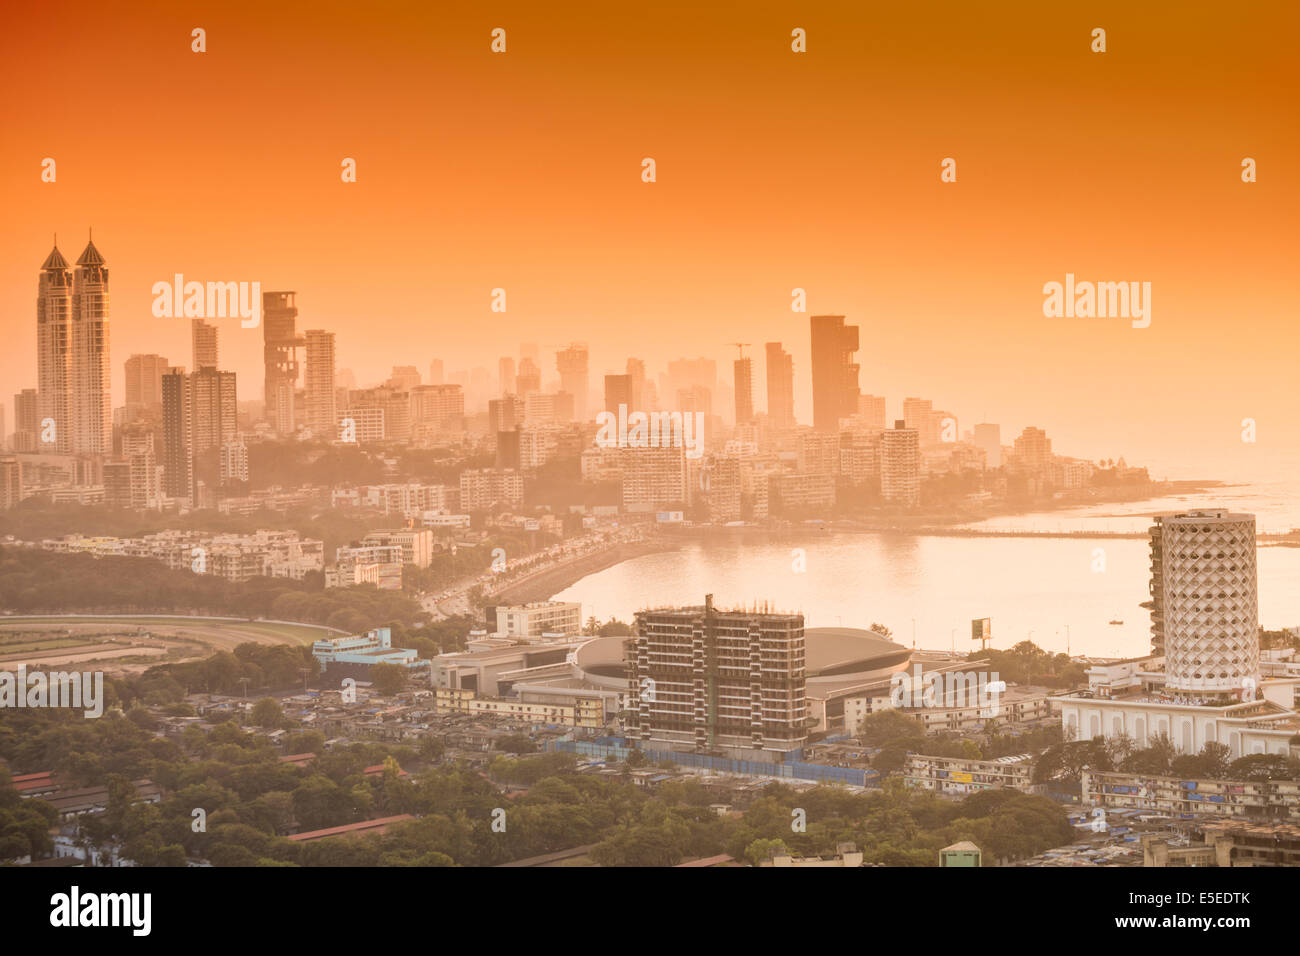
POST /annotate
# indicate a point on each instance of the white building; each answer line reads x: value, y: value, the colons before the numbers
x: 528, y: 622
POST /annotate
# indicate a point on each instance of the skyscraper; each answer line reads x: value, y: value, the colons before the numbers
x: 871, y: 408
x: 204, y: 338
x: 72, y: 355
x: 177, y: 463
x: 636, y: 371
x: 1204, y: 601
x: 54, y: 347
x: 436, y: 373
x: 319, y: 384
x: 900, y: 466
x: 529, y: 379
x: 780, y: 386
x: 918, y: 413
x: 27, y: 420
x: 91, y: 377
x: 506, y: 375
x: 989, y: 437
x: 144, y: 383
x: 199, y: 415
x: 572, y: 366
x: 618, y: 391
x: 280, y: 344
x: 744, y: 372
x: 834, y: 373
x: 1033, y: 452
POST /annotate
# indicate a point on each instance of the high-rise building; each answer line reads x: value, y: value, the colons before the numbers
x: 214, y: 406
x: 92, y: 399
x: 487, y: 488
x: 636, y: 371
x: 871, y: 409
x: 505, y: 414
x: 572, y: 366
x: 177, y: 462
x: 437, y: 410
x: 144, y: 384
x: 27, y: 420
x: 918, y: 413
x: 435, y: 372
x: 1033, y: 452
x: 744, y: 372
x: 548, y: 408
x: 529, y: 379
x: 280, y: 344
x: 834, y: 373
x: 72, y: 342
x: 54, y: 349
x: 319, y: 384
x: 11, y: 483
x: 780, y: 386
x: 721, y: 486
x: 618, y: 391
x: 506, y: 375
x: 203, y: 336
x: 900, y: 466
x: 404, y: 378
x: 200, y: 415
x: 654, y: 478
x: 718, y: 682
x: 1204, y: 601
x: 988, y: 437
x: 138, y: 452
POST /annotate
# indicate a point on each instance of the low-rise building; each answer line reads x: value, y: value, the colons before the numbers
x: 1255, y: 799
x: 962, y: 775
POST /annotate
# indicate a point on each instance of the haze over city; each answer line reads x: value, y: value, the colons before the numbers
x: 684, y: 435
x: 774, y: 172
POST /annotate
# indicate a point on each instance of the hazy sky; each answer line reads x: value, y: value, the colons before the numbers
x: 775, y: 170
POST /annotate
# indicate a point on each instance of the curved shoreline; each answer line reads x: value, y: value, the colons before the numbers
x: 544, y: 585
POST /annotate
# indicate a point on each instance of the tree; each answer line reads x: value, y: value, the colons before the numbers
x: 1264, y: 767
x: 762, y: 850
x: 1211, y: 763
x: 884, y: 726
x: 1155, y: 760
x: 389, y: 679
x: 267, y: 713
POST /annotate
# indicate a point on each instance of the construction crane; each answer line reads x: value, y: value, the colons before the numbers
x: 740, y: 348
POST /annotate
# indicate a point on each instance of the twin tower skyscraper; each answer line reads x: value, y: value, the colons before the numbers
x: 73, y: 399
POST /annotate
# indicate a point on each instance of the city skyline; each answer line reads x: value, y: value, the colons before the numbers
x: 300, y: 371
x: 690, y: 435
x: 693, y: 261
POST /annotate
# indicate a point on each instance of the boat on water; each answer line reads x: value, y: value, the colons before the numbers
x: 1117, y: 622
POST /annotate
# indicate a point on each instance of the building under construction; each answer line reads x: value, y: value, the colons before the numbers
x: 281, y: 341
x: 718, y: 682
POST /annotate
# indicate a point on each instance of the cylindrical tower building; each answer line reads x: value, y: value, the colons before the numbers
x: 1204, y: 601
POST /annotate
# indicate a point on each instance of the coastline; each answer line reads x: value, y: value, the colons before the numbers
x: 546, y: 584
x: 543, y: 585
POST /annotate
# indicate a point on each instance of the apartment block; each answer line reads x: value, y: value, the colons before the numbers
x: 712, y: 681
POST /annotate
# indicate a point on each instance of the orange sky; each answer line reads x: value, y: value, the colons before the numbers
x: 775, y: 170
